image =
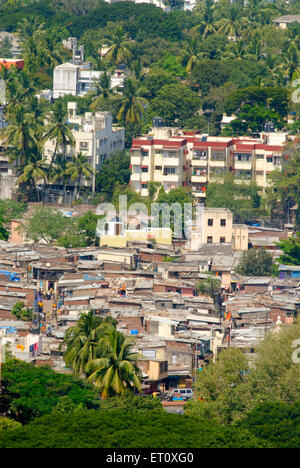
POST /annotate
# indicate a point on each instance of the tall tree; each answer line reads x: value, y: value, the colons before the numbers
x: 58, y: 130
x: 78, y: 169
x: 119, y: 51
x: 82, y: 341
x: 132, y: 105
x: 116, y: 370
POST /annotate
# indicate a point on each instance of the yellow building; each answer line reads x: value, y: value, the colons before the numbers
x: 215, y: 226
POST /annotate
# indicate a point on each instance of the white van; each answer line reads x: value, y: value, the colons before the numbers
x: 186, y: 393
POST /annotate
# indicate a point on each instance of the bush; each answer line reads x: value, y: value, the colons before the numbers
x: 115, y: 429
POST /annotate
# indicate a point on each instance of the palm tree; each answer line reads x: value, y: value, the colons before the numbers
x: 191, y: 53
x: 236, y: 50
x: 34, y: 171
x: 119, y: 51
x: 58, y: 130
x: 19, y: 136
x: 78, y: 169
x: 31, y: 30
x: 132, y: 104
x: 207, y: 17
x: 290, y: 61
x: 82, y: 341
x: 255, y: 49
x: 137, y: 70
x: 103, y: 90
x: 231, y: 24
x: 116, y: 370
x: 58, y: 171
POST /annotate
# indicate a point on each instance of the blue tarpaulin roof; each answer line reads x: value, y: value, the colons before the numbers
x: 11, y: 275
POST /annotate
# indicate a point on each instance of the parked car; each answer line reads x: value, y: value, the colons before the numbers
x: 186, y: 393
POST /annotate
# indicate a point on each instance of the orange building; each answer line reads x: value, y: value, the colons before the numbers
x: 8, y: 63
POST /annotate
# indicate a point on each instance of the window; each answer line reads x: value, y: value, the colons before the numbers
x: 269, y: 159
x: 210, y: 222
x: 144, y: 169
x: 199, y: 154
x: 243, y: 157
x: 260, y: 156
x: 209, y: 239
x: 223, y: 222
x: 218, y: 156
x: 158, y: 168
x: 222, y: 240
x: 169, y: 170
x: 83, y: 145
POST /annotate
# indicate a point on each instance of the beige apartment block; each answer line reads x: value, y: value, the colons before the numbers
x: 216, y: 227
x: 175, y: 158
x: 249, y: 160
x: 211, y: 160
x: 95, y: 136
x: 161, y: 157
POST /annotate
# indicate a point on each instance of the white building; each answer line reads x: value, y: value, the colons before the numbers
x: 95, y: 136
x: 77, y: 80
x: 188, y: 5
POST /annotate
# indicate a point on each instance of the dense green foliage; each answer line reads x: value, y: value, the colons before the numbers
x: 115, y: 429
x: 255, y: 262
x: 235, y: 384
x: 279, y: 423
x: 114, y: 172
x: 242, y: 199
x: 21, y: 312
x: 290, y: 250
x: 51, y: 226
x: 30, y: 392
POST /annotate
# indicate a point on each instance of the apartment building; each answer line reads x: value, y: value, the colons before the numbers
x: 160, y: 156
x: 211, y: 160
x: 95, y: 136
x: 175, y: 158
x: 215, y: 226
x: 247, y: 159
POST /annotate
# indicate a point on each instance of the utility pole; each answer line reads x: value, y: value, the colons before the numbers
x: 1, y: 335
x: 266, y: 326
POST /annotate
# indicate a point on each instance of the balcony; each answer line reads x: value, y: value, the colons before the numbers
x: 136, y: 160
x: 171, y: 178
x: 243, y: 165
x: 217, y: 174
x: 198, y: 179
x: 145, y: 177
x: 171, y: 161
x: 144, y: 192
x: 199, y: 191
x: 199, y: 162
x: 135, y: 177
x: 243, y: 176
